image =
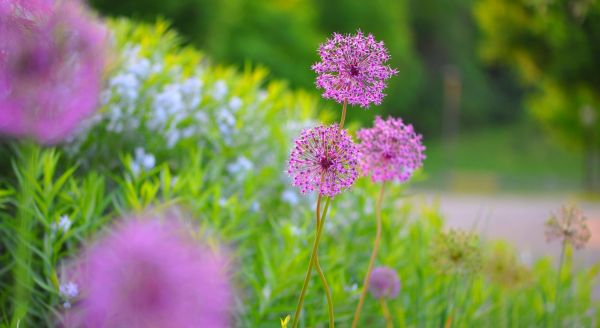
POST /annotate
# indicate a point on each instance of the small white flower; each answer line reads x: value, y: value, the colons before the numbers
x: 126, y: 85
x: 142, y: 160
x: 241, y: 165
x: 255, y: 207
x: 201, y: 117
x: 235, y: 103
x: 63, y: 224
x: 219, y: 90
x: 351, y: 289
x: 295, y: 231
x: 191, y: 90
x: 368, y: 208
x: 169, y: 101
x: 140, y: 68
x: 266, y: 292
x: 290, y: 197
x: 222, y: 202
x: 69, y: 290
x: 173, y: 136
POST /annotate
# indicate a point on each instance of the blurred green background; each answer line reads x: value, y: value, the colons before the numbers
x: 506, y: 93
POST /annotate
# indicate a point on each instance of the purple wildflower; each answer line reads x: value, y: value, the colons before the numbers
x: 390, y: 150
x: 384, y: 283
x: 51, y: 64
x: 353, y: 69
x: 324, y: 158
x: 149, y: 273
x: 568, y: 226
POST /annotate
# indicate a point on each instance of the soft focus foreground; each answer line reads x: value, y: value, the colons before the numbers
x: 175, y: 129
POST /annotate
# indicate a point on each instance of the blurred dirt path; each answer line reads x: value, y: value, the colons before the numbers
x: 520, y: 220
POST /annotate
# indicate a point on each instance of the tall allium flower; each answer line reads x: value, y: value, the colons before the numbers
x: 324, y: 158
x: 51, y: 64
x: 149, y: 273
x: 352, y: 69
x: 384, y: 283
x: 568, y: 226
x: 390, y: 150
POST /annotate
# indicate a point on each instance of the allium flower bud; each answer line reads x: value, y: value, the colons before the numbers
x: 384, y: 283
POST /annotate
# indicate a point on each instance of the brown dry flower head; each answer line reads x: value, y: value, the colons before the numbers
x: 502, y: 267
x: 457, y: 251
x: 569, y: 226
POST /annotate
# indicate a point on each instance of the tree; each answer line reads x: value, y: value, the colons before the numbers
x: 554, y: 45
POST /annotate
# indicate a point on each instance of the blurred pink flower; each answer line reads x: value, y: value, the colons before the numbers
x: 148, y: 272
x: 384, y: 283
x: 324, y: 158
x: 353, y: 69
x: 51, y: 64
x: 568, y: 226
x: 390, y: 150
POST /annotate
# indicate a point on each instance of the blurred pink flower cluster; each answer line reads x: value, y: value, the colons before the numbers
x: 390, y: 150
x: 149, y: 272
x: 52, y: 55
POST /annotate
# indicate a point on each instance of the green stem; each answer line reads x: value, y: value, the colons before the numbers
x: 450, y: 301
x: 386, y: 313
x: 22, y: 271
x: 320, y: 223
x: 343, y: 118
x: 557, y: 298
x: 365, y: 287
x: 309, y: 270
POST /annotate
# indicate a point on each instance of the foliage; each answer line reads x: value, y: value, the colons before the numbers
x: 553, y: 45
x: 424, y: 37
x: 244, y: 204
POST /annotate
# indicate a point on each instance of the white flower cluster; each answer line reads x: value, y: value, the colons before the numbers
x: 63, y: 225
x: 68, y: 291
x: 142, y: 161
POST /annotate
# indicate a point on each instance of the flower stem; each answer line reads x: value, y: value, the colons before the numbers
x: 320, y: 223
x: 22, y: 269
x: 310, y: 266
x: 557, y: 297
x: 386, y: 313
x: 372, y: 260
x: 343, y: 119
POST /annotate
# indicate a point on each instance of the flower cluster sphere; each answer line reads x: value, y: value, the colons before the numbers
x: 353, y: 70
x: 51, y: 64
x: 324, y: 158
x: 569, y: 226
x: 149, y: 273
x: 384, y: 283
x: 390, y: 150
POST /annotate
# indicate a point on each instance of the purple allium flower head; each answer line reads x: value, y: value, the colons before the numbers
x: 384, y: 283
x: 568, y: 226
x: 390, y: 150
x: 51, y: 65
x: 324, y: 158
x: 353, y: 69
x: 149, y: 272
